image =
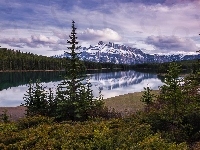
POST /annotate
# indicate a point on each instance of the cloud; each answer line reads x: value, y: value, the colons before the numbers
x: 89, y: 35
x: 128, y: 21
x: 99, y: 35
x: 41, y: 39
x: 179, y: 1
x: 34, y: 41
x: 171, y: 43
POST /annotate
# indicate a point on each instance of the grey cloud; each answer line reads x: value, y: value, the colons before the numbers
x: 171, y: 43
x: 16, y: 45
x: 34, y: 41
x: 171, y: 2
x: 60, y: 34
x: 58, y: 47
x: 62, y: 41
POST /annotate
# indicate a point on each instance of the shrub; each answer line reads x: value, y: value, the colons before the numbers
x: 5, y: 117
x: 40, y: 133
x: 147, y: 96
x: 34, y: 121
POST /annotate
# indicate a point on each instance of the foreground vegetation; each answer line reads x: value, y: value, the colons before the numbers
x: 169, y: 121
x: 43, y: 133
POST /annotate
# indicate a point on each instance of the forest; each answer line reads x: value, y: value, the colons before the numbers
x: 15, y: 60
x: 186, y: 66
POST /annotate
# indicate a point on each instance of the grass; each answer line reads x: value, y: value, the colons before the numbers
x: 127, y: 103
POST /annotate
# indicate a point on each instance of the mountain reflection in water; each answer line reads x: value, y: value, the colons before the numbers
x: 14, y: 86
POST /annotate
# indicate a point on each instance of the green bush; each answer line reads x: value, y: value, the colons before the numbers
x: 5, y: 117
x: 36, y: 100
x: 111, y: 134
x: 155, y: 142
x: 176, y: 112
x: 147, y: 96
x: 34, y: 121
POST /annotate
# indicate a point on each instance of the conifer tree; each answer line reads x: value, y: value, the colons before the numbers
x: 147, y: 97
x: 171, y: 93
x: 74, y: 97
x: 36, y: 100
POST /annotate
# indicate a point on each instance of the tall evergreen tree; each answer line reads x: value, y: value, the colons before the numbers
x: 171, y: 92
x: 74, y: 97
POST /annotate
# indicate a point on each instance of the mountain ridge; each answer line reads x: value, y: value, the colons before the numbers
x: 122, y: 54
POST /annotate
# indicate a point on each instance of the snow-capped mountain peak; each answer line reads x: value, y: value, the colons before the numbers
x: 122, y: 54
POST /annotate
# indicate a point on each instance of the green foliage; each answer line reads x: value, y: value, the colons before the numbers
x: 33, y: 121
x: 186, y: 66
x: 171, y: 91
x: 112, y: 134
x: 176, y: 112
x: 103, y: 113
x: 8, y: 127
x: 154, y: 142
x: 17, y: 60
x: 147, y: 96
x: 5, y: 116
x: 172, y: 130
x: 36, y: 100
x: 173, y: 118
x: 172, y: 99
x: 74, y: 98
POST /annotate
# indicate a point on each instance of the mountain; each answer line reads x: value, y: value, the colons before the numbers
x: 122, y: 54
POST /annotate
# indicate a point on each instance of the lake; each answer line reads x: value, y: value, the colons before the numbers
x: 13, y: 85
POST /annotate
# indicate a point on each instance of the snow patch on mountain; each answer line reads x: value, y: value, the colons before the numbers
x: 122, y: 54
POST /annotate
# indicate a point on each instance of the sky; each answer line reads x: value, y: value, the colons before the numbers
x: 155, y: 26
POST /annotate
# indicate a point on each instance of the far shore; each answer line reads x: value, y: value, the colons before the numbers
x: 52, y: 70
x: 181, y: 75
x: 28, y: 70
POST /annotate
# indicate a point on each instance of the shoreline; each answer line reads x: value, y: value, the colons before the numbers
x: 14, y: 113
x: 125, y: 104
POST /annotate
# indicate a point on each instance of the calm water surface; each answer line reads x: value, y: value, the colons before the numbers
x: 13, y: 86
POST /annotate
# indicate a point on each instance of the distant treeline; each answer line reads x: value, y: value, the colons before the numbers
x: 13, y: 60
x: 17, y: 60
x: 186, y: 66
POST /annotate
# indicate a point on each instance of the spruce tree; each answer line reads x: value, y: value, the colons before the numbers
x: 36, y: 100
x: 147, y: 97
x: 74, y: 97
x: 171, y: 91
